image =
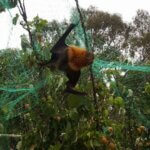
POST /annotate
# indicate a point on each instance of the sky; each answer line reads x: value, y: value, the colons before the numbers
x: 60, y: 9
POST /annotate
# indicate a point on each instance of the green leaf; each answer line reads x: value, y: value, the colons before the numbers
x: 15, y: 19
x: 61, y: 80
x: 1, y: 128
x: 55, y: 147
x: 118, y: 101
x: 77, y: 101
x: 147, y: 88
x: 111, y: 100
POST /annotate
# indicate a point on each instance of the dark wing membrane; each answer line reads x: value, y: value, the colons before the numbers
x: 61, y: 41
x: 73, y: 77
x: 59, y: 49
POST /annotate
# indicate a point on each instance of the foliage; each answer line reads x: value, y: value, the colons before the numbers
x: 34, y: 106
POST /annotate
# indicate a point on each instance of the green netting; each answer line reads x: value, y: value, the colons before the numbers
x: 7, y: 4
x: 29, y: 93
x: 99, y: 64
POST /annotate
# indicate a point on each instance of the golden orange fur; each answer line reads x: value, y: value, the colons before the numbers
x: 78, y: 58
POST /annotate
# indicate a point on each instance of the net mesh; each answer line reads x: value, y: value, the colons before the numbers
x: 23, y: 84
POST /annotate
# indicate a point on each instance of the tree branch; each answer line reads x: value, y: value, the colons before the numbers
x: 11, y: 135
x: 22, y: 11
x: 86, y: 43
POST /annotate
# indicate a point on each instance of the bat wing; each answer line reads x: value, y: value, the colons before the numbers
x: 61, y: 42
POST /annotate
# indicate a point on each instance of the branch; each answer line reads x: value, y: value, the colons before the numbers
x: 22, y: 11
x: 11, y: 135
x: 86, y: 44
